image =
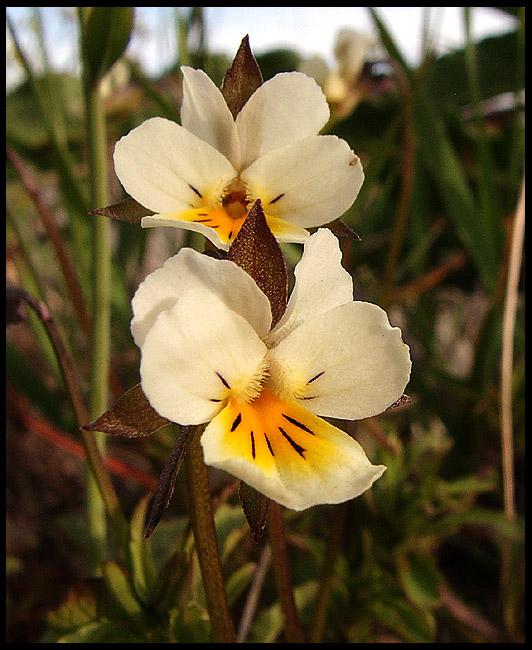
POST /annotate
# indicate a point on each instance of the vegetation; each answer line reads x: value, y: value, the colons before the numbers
x: 434, y: 552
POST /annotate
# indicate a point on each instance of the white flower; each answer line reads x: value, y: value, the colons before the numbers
x: 208, y: 355
x: 204, y: 174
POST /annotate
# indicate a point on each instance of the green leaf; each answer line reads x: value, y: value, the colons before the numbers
x: 127, y: 210
x: 121, y: 590
x: 79, y: 608
x: 242, y: 79
x: 142, y: 569
x: 105, y: 34
x: 191, y: 624
x: 103, y: 631
x: 131, y: 416
x: 256, y: 251
x: 420, y: 579
x: 269, y: 624
x: 409, y: 622
x: 510, y: 531
x: 238, y: 582
x: 445, y: 168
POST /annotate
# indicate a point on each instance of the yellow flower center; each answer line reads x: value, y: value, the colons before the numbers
x: 269, y: 430
x: 225, y: 214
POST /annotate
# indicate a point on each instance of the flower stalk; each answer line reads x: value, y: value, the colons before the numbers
x: 201, y: 514
x: 283, y: 576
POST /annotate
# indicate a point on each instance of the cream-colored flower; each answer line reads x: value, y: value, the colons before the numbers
x: 208, y: 356
x: 204, y: 175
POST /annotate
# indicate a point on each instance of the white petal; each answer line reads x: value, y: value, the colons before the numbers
x: 287, y: 108
x: 348, y: 363
x: 189, y: 270
x: 172, y: 220
x: 205, y: 113
x: 195, y: 355
x: 310, y: 182
x: 321, y: 284
x: 165, y: 167
x: 287, y: 453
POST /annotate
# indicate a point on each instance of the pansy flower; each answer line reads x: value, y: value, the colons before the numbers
x: 209, y: 355
x: 204, y: 175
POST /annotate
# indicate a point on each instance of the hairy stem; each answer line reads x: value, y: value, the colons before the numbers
x: 201, y: 514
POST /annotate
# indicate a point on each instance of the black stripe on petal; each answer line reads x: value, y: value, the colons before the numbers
x: 294, y: 444
x: 195, y: 190
x: 298, y: 424
x: 223, y: 380
x: 269, y: 445
x: 237, y: 421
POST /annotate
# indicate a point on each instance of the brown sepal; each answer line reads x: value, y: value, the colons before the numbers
x: 242, y: 79
x: 255, y: 506
x: 256, y: 251
x: 127, y: 210
x: 167, y: 478
x: 341, y: 229
x: 131, y: 416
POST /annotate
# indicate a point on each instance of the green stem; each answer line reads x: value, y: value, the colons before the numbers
x: 283, y: 577
x: 201, y: 514
x: 101, y: 312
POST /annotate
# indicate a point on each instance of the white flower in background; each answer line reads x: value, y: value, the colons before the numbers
x: 204, y: 175
x: 208, y: 356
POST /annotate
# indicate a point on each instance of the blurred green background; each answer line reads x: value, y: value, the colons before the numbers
x: 435, y: 551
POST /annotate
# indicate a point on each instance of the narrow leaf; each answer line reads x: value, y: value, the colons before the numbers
x: 255, y: 506
x: 106, y: 33
x: 256, y: 251
x: 242, y: 79
x: 421, y: 580
x: 168, y: 476
x: 127, y: 210
x: 131, y: 416
x: 120, y: 589
x: 142, y: 569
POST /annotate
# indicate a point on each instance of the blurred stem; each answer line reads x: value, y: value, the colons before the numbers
x: 182, y: 26
x: 252, y: 599
x: 510, y: 308
x: 486, y: 182
x: 94, y: 457
x: 101, y: 311
x: 51, y: 88
x: 201, y: 514
x: 69, y: 273
x: 407, y: 184
x: 506, y: 419
x: 327, y: 574
x: 517, y: 145
x: 283, y: 576
x: 74, y: 192
x: 31, y: 282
